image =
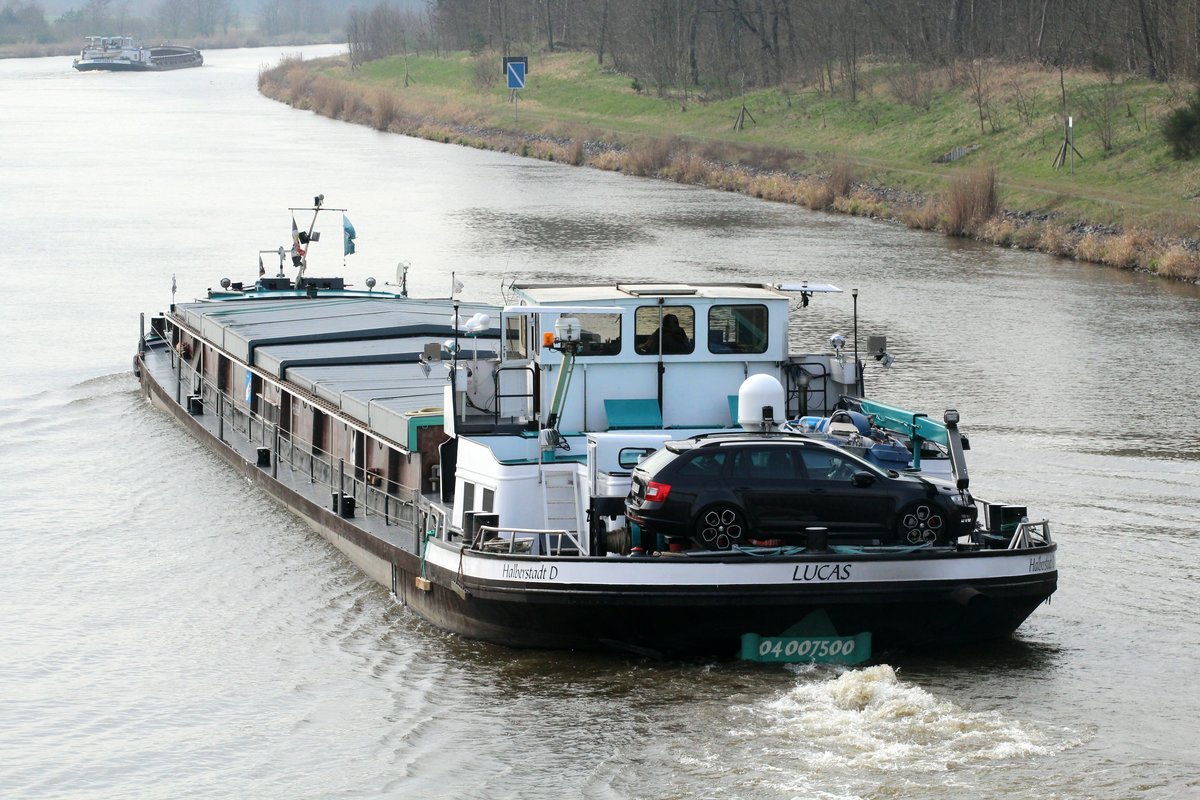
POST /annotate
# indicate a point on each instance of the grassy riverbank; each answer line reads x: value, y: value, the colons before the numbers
x: 1131, y: 206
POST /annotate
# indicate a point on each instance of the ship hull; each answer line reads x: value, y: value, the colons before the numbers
x: 161, y: 60
x: 680, y: 607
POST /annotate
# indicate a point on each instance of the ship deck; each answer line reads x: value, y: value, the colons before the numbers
x: 244, y: 442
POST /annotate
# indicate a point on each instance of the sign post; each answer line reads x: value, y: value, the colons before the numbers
x: 515, y: 68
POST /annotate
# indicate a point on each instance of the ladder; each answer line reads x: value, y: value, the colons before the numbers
x: 562, y: 512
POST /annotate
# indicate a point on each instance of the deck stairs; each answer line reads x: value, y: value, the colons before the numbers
x: 560, y: 494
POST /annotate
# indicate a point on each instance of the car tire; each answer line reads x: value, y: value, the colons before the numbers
x: 720, y: 527
x: 920, y: 523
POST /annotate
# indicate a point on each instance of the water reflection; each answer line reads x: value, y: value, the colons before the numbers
x: 493, y: 228
x: 722, y: 221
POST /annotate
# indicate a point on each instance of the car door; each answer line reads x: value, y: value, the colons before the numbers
x: 769, y: 478
x: 838, y: 502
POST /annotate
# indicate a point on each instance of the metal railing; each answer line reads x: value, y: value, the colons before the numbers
x: 1030, y: 534
x: 550, y: 542
x: 303, y: 458
x: 526, y: 397
x: 799, y: 393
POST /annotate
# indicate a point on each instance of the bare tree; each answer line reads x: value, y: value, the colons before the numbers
x: 977, y: 77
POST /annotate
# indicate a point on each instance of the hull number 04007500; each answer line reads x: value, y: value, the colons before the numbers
x: 818, y: 649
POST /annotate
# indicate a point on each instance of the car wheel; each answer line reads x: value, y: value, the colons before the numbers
x: 720, y: 527
x: 920, y: 523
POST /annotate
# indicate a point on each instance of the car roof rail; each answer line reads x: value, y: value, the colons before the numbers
x: 740, y: 434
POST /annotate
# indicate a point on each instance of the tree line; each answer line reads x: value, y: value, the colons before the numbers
x: 727, y: 44
x: 26, y: 21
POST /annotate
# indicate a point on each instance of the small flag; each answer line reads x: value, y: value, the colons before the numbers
x: 296, y: 248
x: 348, y: 236
x: 458, y: 286
x: 261, y: 269
x: 172, y: 283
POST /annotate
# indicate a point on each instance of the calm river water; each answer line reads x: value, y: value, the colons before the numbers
x: 168, y: 632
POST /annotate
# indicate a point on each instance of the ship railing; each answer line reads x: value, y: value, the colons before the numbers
x: 371, y: 492
x: 807, y: 387
x: 525, y: 398
x: 375, y: 495
x: 1030, y: 534
x: 497, y: 539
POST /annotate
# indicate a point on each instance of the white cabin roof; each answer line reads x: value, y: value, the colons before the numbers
x: 634, y: 292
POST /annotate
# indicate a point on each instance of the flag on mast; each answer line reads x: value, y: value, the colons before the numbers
x: 296, y: 248
x: 347, y: 236
x: 261, y: 269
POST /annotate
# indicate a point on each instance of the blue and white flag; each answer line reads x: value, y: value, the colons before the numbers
x: 348, y: 236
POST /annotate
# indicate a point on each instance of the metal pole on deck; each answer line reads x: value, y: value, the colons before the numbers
x: 178, y: 378
x: 220, y: 417
x: 142, y: 333
x: 858, y: 387
x: 341, y: 483
x: 275, y: 451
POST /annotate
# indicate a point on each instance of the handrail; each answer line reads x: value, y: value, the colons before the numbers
x: 1024, y: 536
x: 535, y: 533
x: 530, y: 395
x: 405, y: 509
x: 818, y: 387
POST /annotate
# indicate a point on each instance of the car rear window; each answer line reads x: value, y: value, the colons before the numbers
x: 660, y: 459
x: 708, y: 463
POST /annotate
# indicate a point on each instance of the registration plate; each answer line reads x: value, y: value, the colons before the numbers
x: 811, y: 649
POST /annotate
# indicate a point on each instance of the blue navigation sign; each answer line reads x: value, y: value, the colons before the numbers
x: 515, y: 68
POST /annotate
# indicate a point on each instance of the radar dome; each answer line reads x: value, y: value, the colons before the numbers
x: 756, y: 393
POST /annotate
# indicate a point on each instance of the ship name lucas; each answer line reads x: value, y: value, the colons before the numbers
x: 543, y: 572
x: 821, y: 572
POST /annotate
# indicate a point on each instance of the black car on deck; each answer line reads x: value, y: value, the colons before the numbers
x: 721, y: 490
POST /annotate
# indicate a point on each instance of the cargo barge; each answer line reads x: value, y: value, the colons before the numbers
x: 477, y: 460
x: 120, y: 54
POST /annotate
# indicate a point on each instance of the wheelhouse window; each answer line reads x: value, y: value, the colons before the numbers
x: 737, y: 329
x: 599, y: 334
x: 670, y: 330
x: 630, y: 457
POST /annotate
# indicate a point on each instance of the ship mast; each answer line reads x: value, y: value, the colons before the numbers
x: 308, y: 237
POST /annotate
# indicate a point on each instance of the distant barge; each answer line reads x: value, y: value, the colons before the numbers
x: 120, y: 54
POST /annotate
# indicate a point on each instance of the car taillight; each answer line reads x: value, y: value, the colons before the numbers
x: 657, y: 492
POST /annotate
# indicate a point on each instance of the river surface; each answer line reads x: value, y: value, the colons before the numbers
x: 168, y: 631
